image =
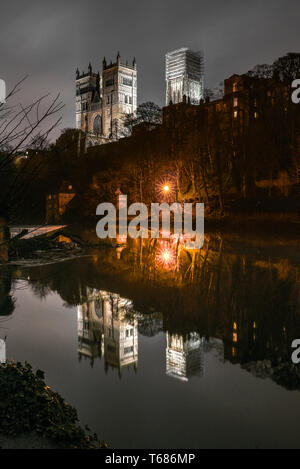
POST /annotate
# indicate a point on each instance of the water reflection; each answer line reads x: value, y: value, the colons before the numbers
x: 244, y: 295
x: 108, y: 328
x: 184, y: 356
x: 2, y: 351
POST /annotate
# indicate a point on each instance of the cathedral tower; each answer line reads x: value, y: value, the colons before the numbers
x: 102, y: 102
x: 88, y: 90
x: 119, y: 95
x: 184, y: 76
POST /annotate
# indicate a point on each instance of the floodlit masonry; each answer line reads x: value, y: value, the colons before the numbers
x: 184, y: 76
x: 103, y: 100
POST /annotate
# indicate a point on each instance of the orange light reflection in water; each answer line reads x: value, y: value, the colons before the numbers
x: 166, y: 257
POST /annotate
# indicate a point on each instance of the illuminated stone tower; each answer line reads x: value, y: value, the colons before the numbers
x: 119, y: 84
x: 88, y: 101
x: 184, y: 76
x: 102, y: 101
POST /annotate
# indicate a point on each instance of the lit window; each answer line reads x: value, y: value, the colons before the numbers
x: 235, y: 114
x: 70, y: 188
x: 234, y: 87
x: 235, y: 102
x: 234, y: 337
x: 235, y: 326
x: 255, y: 115
x: 97, y: 126
x: 127, y: 81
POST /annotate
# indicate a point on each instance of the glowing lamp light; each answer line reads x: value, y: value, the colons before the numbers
x: 165, y: 187
x: 166, y: 256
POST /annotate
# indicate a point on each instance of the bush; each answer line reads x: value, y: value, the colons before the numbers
x: 27, y: 405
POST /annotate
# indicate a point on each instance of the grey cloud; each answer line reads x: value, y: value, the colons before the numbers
x: 48, y: 40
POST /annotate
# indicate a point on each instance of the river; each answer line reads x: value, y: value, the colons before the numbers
x: 158, y: 346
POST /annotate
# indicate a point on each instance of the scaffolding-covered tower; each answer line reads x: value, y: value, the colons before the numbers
x: 184, y: 76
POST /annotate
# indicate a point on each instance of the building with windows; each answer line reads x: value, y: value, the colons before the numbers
x: 184, y: 76
x: 184, y: 356
x: 57, y: 202
x: 108, y: 327
x: 103, y: 100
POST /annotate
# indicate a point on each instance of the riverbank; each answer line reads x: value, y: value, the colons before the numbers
x: 49, y: 248
x: 34, y: 416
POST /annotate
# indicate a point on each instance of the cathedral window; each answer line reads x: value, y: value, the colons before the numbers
x: 127, y: 81
x: 109, y: 82
x: 97, y: 126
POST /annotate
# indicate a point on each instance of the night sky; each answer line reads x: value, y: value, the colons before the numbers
x: 48, y: 40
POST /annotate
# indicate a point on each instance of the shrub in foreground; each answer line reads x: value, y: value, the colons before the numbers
x: 28, y: 405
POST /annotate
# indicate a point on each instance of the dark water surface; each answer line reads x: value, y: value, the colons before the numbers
x: 161, y: 347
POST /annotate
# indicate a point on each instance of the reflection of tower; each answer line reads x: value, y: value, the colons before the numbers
x: 2, y: 351
x: 120, y: 332
x: 90, y: 325
x: 184, y: 356
x: 107, y: 327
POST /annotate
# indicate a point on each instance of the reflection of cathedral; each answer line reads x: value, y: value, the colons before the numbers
x: 107, y: 327
x: 90, y: 325
x: 2, y: 351
x: 184, y: 356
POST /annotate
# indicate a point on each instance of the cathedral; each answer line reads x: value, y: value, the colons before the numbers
x: 103, y: 100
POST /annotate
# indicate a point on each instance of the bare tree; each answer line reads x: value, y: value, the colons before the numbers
x: 20, y: 125
x: 148, y: 112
